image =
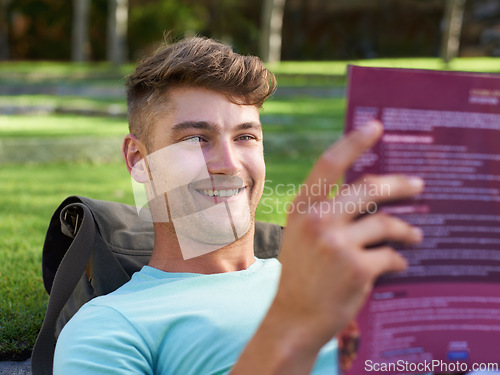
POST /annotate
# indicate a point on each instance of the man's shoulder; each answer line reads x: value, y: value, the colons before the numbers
x: 156, y: 289
x: 120, y: 300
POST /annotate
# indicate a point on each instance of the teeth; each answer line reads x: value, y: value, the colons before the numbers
x: 222, y: 193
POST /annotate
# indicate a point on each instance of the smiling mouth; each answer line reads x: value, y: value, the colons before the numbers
x: 223, y: 193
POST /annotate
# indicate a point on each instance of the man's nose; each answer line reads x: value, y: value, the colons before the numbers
x: 223, y: 158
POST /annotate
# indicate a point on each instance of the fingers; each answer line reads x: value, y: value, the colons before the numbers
x: 360, y: 198
x: 354, y: 237
x: 377, y: 228
x: 367, y: 193
x: 333, y: 164
x: 364, y: 196
x: 383, y: 260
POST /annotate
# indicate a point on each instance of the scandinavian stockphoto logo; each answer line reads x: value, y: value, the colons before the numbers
x: 322, y: 198
x: 172, y: 185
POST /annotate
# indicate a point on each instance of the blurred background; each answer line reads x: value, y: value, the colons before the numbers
x: 63, y: 113
x: 123, y: 30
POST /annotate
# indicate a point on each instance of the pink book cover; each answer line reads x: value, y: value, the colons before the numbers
x: 442, y: 315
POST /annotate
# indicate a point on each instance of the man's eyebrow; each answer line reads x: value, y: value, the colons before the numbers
x: 199, y: 125
x: 204, y: 125
x: 249, y: 125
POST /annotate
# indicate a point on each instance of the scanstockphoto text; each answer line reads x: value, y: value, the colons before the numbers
x: 321, y: 198
x: 433, y: 366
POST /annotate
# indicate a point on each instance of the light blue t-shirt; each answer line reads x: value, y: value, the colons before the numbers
x: 174, y: 323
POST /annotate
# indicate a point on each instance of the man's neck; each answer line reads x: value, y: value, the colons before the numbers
x: 167, y: 255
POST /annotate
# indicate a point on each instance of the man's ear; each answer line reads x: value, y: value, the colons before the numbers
x: 134, y: 153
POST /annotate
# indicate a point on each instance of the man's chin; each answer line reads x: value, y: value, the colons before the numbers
x: 199, y: 236
x: 204, y: 229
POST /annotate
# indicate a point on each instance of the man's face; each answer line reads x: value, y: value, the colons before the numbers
x: 207, y: 155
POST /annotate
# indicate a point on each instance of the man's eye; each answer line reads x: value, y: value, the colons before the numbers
x: 245, y: 137
x: 194, y: 139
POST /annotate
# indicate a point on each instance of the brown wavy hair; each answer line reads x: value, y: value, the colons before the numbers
x: 193, y: 62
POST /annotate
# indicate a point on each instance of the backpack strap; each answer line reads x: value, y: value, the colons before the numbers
x: 267, y: 240
x: 68, y: 274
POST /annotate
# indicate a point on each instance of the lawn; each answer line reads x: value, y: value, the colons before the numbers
x: 294, y: 114
x: 54, y: 102
x: 333, y: 72
x: 28, y: 196
x: 288, y: 72
x: 36, y: 126
x: 297, y: 128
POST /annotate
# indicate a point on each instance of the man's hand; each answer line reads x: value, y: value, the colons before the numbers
x: 327, y: 269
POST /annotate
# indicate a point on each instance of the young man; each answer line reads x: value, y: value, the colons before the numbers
x: 205, y: 304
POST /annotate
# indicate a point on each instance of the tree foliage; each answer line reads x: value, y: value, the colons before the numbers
x: 312, y: 29
x: 41, y: 29
x: 150, y: 18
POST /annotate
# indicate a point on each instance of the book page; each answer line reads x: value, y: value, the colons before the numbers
x: 445, y: 309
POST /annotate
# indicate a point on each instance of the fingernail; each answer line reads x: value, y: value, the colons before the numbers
x: 370, y: 128
x: 416, y: 182
x: 418, y: 234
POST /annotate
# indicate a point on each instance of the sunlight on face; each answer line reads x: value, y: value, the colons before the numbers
x: 207, y: 211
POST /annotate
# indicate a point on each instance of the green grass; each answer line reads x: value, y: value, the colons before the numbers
x: 284, y: 175
x: 296, y: 115
x: 36, y: 70
x: 293, y: 127
x: 305, y: 106
x: 295, y: 73
x: 60, y: 126
x: 333, y: 73
x: 28, y: 196
x: 338, y: 68
x: 293, y: 106
x: 102, y: 103
x: 300, y: 115
x: 79, y: 70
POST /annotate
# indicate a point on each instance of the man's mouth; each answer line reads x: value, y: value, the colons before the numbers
x: 222, y: 193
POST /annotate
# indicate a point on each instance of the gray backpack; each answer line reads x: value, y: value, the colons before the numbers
x: 92, y: 248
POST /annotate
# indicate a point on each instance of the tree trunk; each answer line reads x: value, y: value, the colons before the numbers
x: 4, y: 30
x: 117, y: 31
x: 453, y: 20
x: 271, y: 32
x: 80, y: 48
